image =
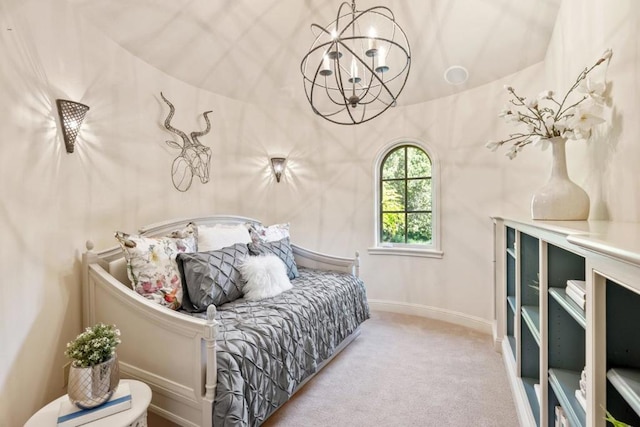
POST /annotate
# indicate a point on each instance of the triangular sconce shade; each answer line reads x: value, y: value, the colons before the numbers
x: 278, y: 164
x: 71, y: 117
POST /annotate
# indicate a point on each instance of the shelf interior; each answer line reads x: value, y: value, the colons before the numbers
x: 531, y: 317
x: 564, y: 384
x: 627, y: 383
x: 511, y: 320
x: 623, y: 353
x: 529, y: 268
x: 511, y: 276
x: 529, y: 353
x: 562, y: 266
x: 566, y: 339
x: 560, y: 295
x: 529, y: 389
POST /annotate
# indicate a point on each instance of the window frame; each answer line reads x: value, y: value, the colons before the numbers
x: 432, y: 250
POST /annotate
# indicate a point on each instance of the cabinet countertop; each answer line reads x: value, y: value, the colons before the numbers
x: 611, y: 238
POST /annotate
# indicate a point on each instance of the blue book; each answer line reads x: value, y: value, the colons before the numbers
x: 71, y: 416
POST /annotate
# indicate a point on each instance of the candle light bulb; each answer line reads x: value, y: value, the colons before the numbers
x: 325, y: 70
x: 354, y: 72
x: 382, y: 61
x: 372, y: 43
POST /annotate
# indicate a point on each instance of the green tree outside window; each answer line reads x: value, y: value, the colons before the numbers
x: 405, y: 208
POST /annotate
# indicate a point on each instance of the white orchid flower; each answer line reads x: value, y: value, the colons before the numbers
x: 572, y: 118
x: 584, y: 120
x: 505, y: 113
x: 513, y: 117
x: 545, y: 94
x: 493, y: 145
x: 593, y: 89
x: 549, y: 123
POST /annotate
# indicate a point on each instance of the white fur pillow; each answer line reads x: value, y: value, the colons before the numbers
x: 265, y: 277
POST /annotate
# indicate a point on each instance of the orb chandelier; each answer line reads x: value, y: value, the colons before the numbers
x: 357, y: 65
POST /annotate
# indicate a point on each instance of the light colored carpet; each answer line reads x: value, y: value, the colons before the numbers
x: 405, y: 371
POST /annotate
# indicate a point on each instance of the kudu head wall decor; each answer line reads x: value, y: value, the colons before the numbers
x: 194, y: 157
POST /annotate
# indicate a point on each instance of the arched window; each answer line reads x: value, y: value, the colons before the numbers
x: 406, y: 201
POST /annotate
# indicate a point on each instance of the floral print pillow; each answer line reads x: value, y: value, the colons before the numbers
x: 151, y: 263
x: 260, y: 234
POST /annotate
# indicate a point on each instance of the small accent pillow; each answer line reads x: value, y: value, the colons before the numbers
x: 151, y: 263
x: 273, y: 233
x: 211, y: 277
x: 264, y: 276
x: 282, y: 249
x: 221, y: 236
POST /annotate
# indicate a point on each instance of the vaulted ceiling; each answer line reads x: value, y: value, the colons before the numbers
x: 251, y: 50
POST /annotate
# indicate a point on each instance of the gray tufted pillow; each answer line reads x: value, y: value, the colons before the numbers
x: 211, y: 277
x: 282, y: 249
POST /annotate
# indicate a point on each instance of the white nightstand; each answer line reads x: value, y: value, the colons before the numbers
x: 136, y: 416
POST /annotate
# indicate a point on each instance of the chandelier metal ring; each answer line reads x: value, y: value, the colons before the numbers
x: 345, y: 69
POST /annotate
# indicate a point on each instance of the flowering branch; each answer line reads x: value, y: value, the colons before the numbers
x: 543, y: 122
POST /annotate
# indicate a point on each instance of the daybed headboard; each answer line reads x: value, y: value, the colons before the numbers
x: 113, y: 260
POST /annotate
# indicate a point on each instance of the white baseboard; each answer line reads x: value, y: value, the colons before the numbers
x: 497, y: 341
x: 457, y: 318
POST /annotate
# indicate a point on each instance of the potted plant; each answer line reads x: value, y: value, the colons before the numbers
x: 94, y: 374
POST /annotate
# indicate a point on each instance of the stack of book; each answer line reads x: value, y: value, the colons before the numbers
x: 581, y: 394
x: 561, y: 418
x: 71, y: 416
x: 577, y: 291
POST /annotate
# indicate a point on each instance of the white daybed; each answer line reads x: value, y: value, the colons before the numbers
x: 174, y: 353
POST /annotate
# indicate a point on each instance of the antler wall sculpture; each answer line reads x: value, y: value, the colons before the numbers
x: 194, y: 158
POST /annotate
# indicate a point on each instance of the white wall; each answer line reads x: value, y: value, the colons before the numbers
x: 606, y: 165
x: 119, y: 176
x: 52, y: 201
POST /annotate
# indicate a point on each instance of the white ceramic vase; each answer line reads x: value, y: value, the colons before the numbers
x: 560, y: 198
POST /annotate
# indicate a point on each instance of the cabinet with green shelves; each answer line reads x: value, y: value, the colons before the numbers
x: 549, y: 339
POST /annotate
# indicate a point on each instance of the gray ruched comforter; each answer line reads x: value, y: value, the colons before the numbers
x: 265, y: 349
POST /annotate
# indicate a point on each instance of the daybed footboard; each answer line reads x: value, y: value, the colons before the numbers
x: 311, y: 259
x: 176, y: 351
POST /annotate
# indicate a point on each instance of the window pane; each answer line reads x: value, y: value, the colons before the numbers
x: 393, y: 166
x: 393, y: 226
x: 419, y: 195
x: 392, y: 196
x: 419, y: 163
x: 419, y: 228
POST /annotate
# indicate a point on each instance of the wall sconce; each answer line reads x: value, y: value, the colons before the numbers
x: 71, y: 117
x: 278, y: 164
